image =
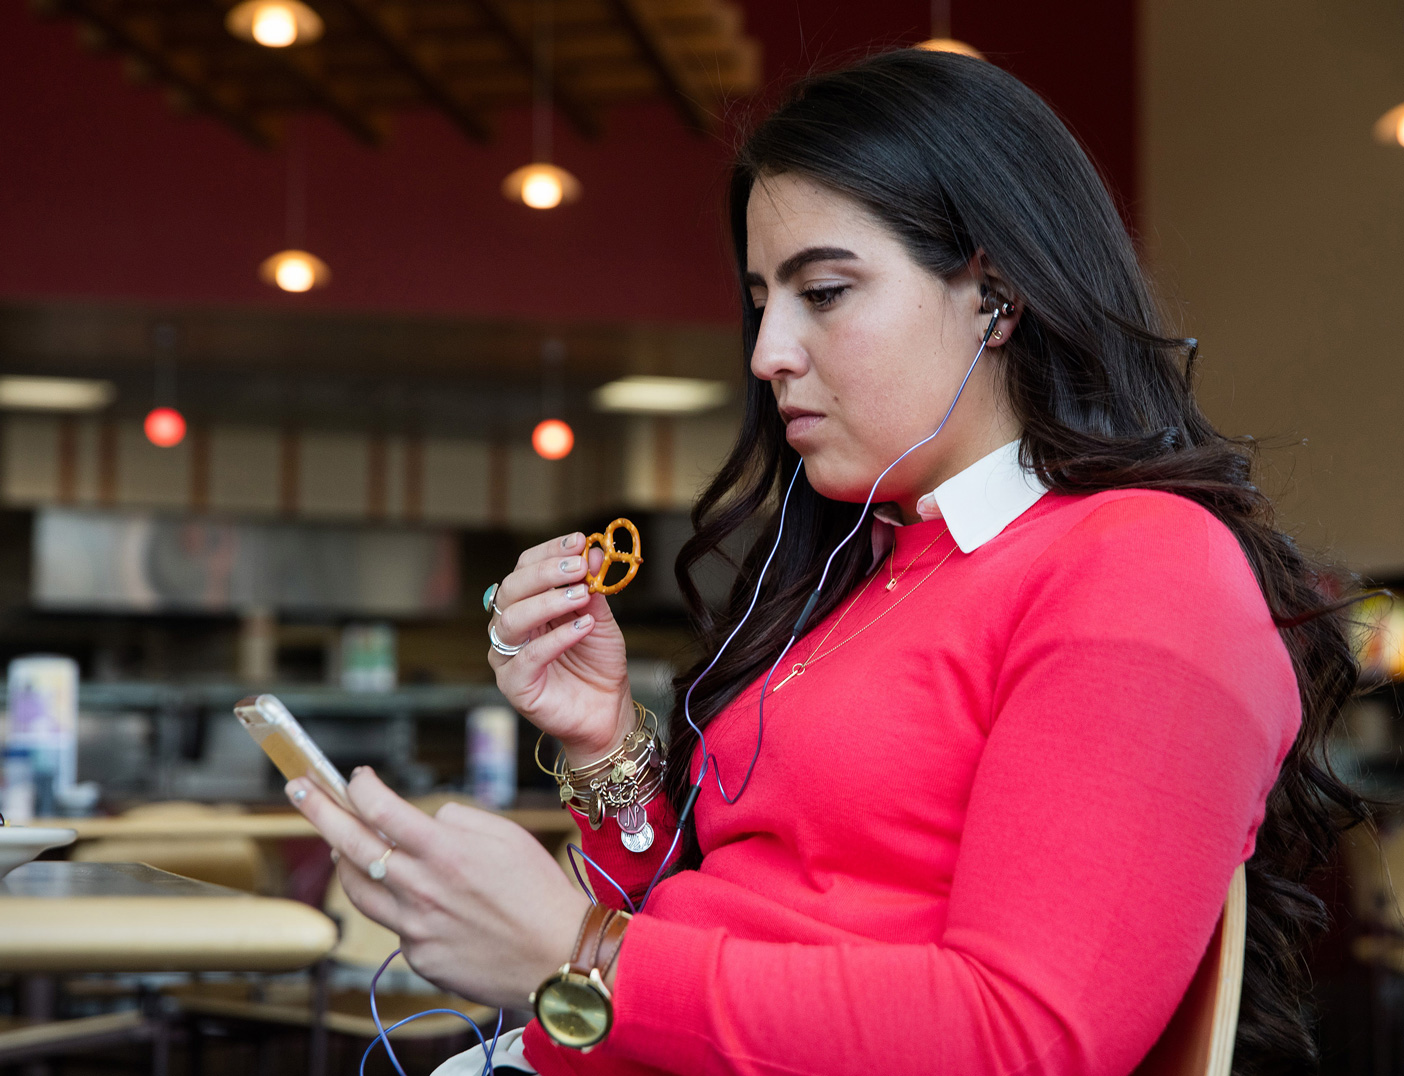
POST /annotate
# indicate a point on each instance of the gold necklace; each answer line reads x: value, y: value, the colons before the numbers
x: 819, y: 652
x: 892, y: 580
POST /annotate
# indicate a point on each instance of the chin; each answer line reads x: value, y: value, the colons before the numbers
x: 841, y: 483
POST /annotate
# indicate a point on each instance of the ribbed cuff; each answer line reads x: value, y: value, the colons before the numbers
x: 631, y: 870
x: 667, y: 973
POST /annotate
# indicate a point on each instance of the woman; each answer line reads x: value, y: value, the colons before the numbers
x: 1064, y: 678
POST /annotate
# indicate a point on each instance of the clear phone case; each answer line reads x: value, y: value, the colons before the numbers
x: 286, y: 742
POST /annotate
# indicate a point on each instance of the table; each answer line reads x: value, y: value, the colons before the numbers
x: 60, y: 916
x: 272, y: 825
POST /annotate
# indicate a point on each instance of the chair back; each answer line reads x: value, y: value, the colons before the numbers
x: 1199, y: 1038
x: 236, y: 862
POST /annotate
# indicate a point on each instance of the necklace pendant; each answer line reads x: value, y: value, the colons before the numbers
x: 890, y: 584
x: 799, y: 668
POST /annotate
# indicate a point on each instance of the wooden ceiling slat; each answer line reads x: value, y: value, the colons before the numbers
x: 308, y: 66
x: 463, y: 57
x: 386, y: 24
x: 521, y: 45
x: 677, y: 84
x: 141, y: 37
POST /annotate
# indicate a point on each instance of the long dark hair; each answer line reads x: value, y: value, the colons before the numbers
x: 956, y: 157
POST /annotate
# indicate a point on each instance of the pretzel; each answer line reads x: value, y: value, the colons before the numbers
x: 632, y: 558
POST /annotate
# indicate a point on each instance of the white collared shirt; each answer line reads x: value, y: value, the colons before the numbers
x: 977, y: 503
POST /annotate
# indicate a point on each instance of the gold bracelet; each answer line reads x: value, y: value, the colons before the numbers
x: 619, y: 785
x: 593, y: 769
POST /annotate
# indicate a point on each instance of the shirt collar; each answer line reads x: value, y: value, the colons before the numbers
x: 977, y: 503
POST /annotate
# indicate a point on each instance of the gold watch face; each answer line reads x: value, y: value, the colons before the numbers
x: 573, y: 1011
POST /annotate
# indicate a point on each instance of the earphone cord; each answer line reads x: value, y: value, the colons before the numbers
x: 708, y: 759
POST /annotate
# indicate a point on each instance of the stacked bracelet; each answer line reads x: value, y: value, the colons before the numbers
x: 618, y: 786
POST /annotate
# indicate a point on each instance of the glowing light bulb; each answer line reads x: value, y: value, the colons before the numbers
x: 541, y: 186
x: 950, y: 44
x: 1399, y: 131
x: 294, y: 274
x: 294, y: 270
x: 274, y: 26
x: 542, y: 191
x: 164, y: 427
x: 552, y: 439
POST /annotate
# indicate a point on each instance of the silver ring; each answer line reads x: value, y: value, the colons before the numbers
x: 379, y: 869
x: 501, y: 647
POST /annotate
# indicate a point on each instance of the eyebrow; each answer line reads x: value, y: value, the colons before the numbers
x: 795, y: 262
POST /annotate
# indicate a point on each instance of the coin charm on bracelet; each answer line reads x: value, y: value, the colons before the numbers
x: 635, y: 833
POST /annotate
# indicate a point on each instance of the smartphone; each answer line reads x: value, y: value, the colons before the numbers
x: 286, y: 742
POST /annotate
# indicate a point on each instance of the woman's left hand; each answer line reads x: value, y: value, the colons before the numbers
x: 481, y: 908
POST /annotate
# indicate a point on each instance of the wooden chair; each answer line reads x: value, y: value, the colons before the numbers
x: 236, y: 862
x: 1199, y: 1038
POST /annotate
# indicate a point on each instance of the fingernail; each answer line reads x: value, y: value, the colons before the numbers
x: 570, y: 564
x: 569, y: 540
x: 574, y: 592
x: 358, y: 769
x: 335, y: 856
x: 581, y: 624
x: 299, y: 795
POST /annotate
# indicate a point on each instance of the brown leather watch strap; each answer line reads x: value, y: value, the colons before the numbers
x: 587, y: 942
x: 610, y: 943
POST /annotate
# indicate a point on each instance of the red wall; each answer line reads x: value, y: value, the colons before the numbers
x: 105, y: 194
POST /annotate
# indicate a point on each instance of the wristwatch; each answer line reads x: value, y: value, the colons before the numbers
x: 574, y: 1005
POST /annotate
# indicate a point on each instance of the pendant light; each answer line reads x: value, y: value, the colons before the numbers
x: 164, y: 425
x: 541, y: 184
x: 274, y: 24
x: 552, y: 438
x: 294, y: 269
x: 1389, y: 128
x: 941, y: 39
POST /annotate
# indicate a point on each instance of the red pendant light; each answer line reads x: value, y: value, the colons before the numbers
x: 164, y: 426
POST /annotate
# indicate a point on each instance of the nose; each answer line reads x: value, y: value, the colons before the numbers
x: 779, y: 350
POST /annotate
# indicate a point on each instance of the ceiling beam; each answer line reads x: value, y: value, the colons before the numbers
x: 308, y: 68
x: 141, y: 38
x: 581, y: 117
x: 386, y: 24
x: 674, y: 80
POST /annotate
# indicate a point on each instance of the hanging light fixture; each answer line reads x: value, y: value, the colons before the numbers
x: 1389, y: 128
x: 541, y: 184
x: 275, y: 24
x: 552, y: 438
x: 941, y: 39
x: 294, y: 269
x: 164, y: 426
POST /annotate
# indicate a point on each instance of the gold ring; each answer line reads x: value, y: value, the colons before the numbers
x: 378, y: 869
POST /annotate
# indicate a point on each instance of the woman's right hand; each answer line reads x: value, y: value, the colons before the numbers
x: 570, y: 680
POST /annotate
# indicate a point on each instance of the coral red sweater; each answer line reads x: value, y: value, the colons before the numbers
x: 991, y: 833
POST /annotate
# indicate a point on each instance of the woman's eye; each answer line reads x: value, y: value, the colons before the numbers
x: 823, y: 298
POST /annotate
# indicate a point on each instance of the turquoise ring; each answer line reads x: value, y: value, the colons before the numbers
x: 490, y: 600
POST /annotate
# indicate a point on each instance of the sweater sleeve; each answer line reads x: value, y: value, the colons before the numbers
x: 614, y: 870
x: 1142, y: 710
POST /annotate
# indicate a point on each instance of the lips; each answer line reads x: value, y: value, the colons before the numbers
x: 799, y: 425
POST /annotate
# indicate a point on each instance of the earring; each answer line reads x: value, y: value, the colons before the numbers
x: 999, y: 334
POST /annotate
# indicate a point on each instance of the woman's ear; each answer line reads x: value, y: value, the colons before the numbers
x: 995, y: 294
